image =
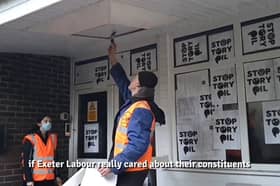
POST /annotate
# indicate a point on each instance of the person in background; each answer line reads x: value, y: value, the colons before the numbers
x: 134, y: 124
x: 40, y: 145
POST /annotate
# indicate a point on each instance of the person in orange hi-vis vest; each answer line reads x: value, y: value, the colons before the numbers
x: 134, y: 125
x: 39, y: 151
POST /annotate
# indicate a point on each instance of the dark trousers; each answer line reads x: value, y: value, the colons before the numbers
x: 42, y: 183
x: 45, y: 183
x: 132, y: 178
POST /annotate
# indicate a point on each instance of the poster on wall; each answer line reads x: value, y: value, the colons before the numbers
x: 226, y: 130
x: 91, y: 138
x: 195, y: 142
x: 193, y: 115
x: 261, y: 34
x: 221, y: 46
x: 271, y: 121
x: 92, y: 112
x: 92, y: 71
x: 276, y: 64
x: 187, y: 135
x: 100, y: 72
x: 191, y: 49
x: 143, y: 59
x: 223, y: 86
x: 193, y: 99
x: 259, y: 81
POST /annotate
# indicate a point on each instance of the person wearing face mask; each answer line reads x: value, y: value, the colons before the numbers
x: 39, y: 147
x: 134, y: 124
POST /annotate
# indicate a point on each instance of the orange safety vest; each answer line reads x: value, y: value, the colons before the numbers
x: 43, y: 153
x: 121, y: 138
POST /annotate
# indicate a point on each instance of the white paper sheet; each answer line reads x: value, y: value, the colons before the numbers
x: 193, y: 99
x: 260, y: 36
x: 191, y: 50
x: 91, y: 138
x: 76, y: 179
x: 259, y: 81
x: 221, y: 47
x: 195, y: 142
x: 223, y: 86
x: 188, y: 139
x: 193, y: 111
x: 93, y: 178
x: 226, y: 130
x: 271, y: 121
x: 100, y: 72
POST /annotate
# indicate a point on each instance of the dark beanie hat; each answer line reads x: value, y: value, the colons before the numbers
x: 39, y: 118
x: 147, y: 79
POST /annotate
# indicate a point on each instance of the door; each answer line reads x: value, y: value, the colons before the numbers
x: 92, y: 125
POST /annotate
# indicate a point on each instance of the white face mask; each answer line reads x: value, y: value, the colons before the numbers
x: 46, y: 127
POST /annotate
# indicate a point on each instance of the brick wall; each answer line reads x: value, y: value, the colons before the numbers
x: 31, y: 85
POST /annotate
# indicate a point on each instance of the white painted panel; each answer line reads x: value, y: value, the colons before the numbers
x: 23, y: 9
x: 78, y: 20
x: 125, y: 14
x: 124, y: 59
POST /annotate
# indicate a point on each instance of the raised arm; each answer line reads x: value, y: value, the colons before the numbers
x: 118, y: 73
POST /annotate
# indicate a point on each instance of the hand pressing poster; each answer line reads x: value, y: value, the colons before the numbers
x: 223, y: 86
x: 226, y: 129
x: 259, y: 81
x: 271, y: 120
x: 91, y: 138
x: 276, y: 64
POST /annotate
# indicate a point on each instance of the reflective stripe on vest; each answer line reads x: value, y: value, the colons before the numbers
x: 43, y: 172
x: 121, y: 138
x: 43, y: 153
